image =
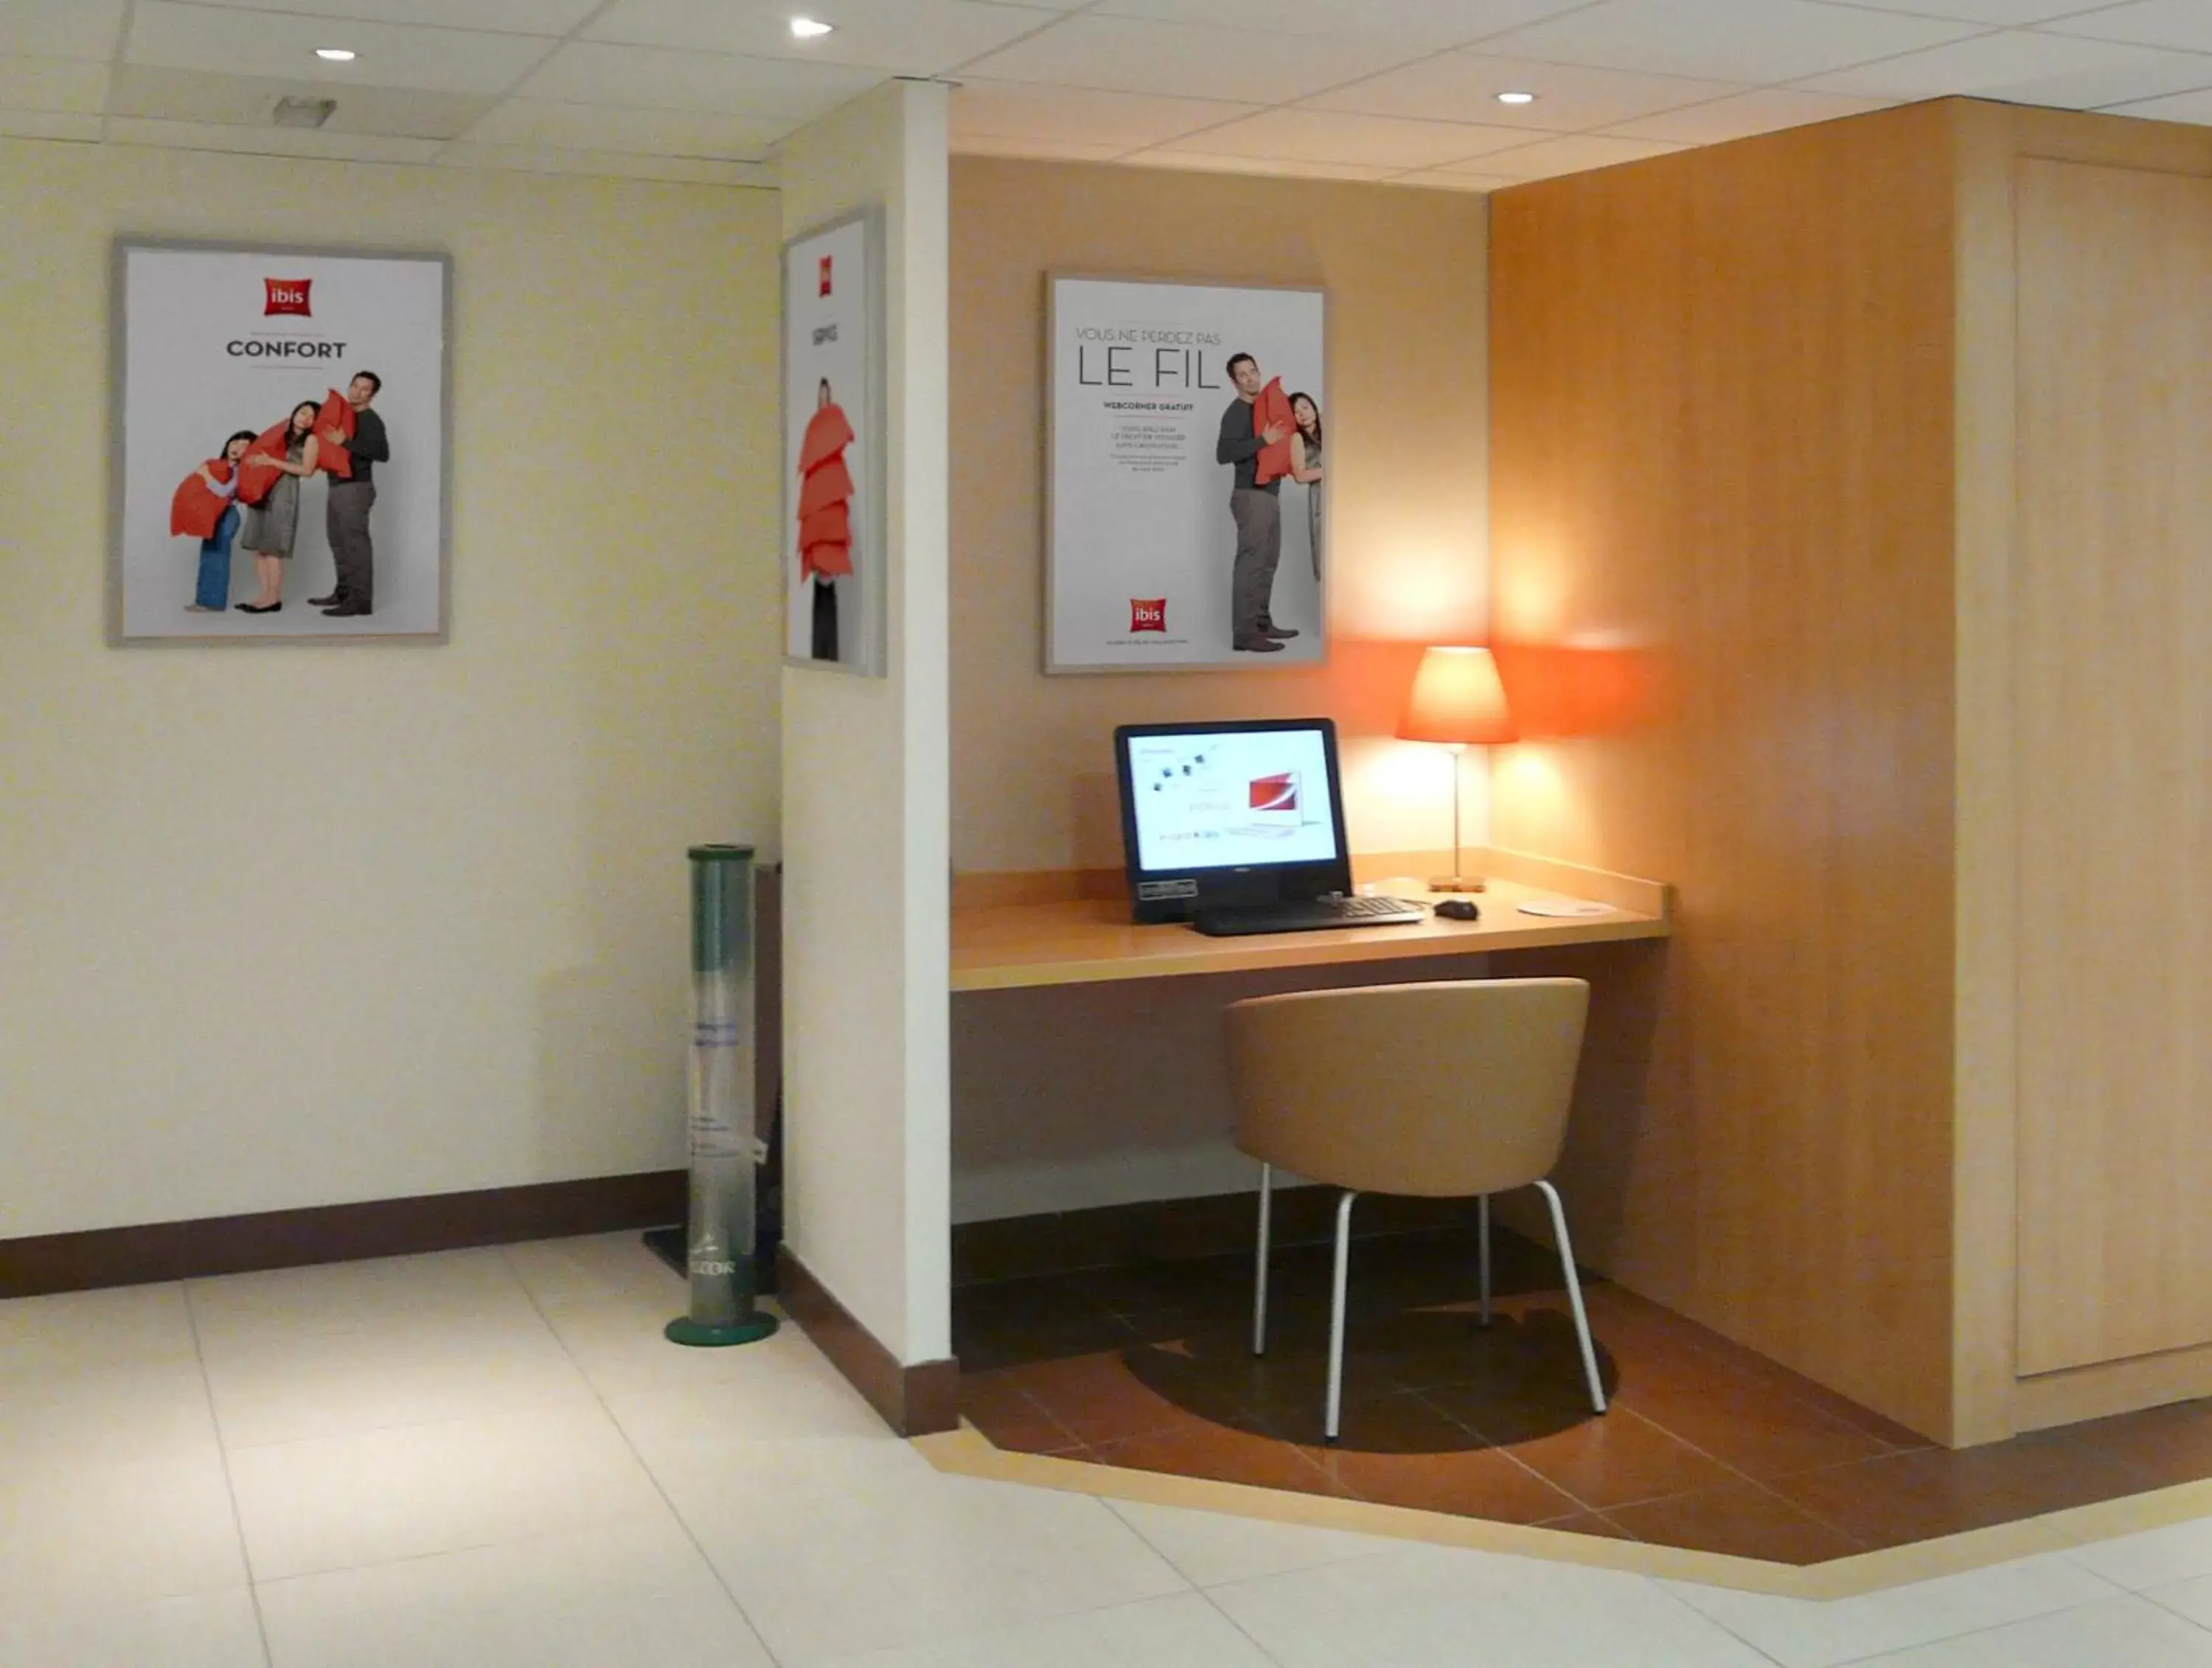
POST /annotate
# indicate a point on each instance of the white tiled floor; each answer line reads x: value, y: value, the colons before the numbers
x: 492, y: 1458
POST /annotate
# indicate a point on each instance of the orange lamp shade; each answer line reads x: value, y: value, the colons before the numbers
x: 1457, y: 697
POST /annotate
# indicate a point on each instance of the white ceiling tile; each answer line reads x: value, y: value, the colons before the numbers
x: 1080, y: 116
x: 318, y: 143
x: 1132, y: 55
x: 54, y: 84
x: 2183, y: 23
x: 546, y: 159
x: 1430, y: 24
x: 543, y: 123
x: 2028, y: 68
x: 60, y: 28
x: 1464, y: 87
x: 1998, y: 12
x: 1050, y: 151
x: 650, y: 78
x: 1767, y: 110
x: 196, y: 95
x: 1570, y: 154
x: 912, y: 37
x: 550, y: 17
x: 1750, y: 41
x: 2194, y: 107
x: 1326, y: 135
x: 49, y: 124
x: 1200, y: 162
x: 229, y: 41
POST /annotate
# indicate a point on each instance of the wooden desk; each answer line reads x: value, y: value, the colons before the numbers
x: 1019, y: 932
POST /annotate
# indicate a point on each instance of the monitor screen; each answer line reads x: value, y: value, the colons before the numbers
x: 1231, y: 797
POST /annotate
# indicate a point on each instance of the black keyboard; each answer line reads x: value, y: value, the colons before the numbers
x: 1305, y: 915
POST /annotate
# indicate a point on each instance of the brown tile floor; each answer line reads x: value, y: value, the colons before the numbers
x: 1707, y: 1446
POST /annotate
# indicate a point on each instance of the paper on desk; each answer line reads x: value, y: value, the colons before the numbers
x: 1564, y: 906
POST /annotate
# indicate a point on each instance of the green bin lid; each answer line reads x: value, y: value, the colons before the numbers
x: 720, y: 854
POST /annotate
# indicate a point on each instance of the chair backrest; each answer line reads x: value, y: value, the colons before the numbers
x: 1435, y: 1089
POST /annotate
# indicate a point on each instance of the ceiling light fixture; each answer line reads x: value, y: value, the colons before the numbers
x: 1516, y: 98
x: 810, y: 28
x: 334, y: 54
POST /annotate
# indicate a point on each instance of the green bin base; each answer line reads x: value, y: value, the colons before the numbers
x: 751, y: 1329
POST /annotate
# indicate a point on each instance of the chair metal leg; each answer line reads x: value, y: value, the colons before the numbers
x: 1482, y: 1218
x: 1260, y: 1275
x: 1574, y: 1295
x: 1335, y: 1408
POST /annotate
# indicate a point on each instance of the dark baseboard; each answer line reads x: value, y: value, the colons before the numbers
x: 1173, y: 1230
x: 914, y: 1401
x: 337, y: 1234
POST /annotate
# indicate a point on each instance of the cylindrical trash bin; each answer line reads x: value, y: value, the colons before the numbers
x: 718, y: 1241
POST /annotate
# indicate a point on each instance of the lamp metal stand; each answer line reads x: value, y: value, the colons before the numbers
x: 1456, y: 880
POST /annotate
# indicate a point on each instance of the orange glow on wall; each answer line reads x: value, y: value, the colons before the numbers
x: 1557, y: 690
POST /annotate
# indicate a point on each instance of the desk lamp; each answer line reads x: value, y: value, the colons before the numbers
x: 1456, y: 699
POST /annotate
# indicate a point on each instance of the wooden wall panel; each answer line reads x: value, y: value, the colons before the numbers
x: 1722, y: 422
x: 2114, y: 627
x: 1985, y: 894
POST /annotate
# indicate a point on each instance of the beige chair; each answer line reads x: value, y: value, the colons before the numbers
x: 1437, y: 1091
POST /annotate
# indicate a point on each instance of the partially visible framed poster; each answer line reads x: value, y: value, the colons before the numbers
x: 833, y: 528
x: 1188, y: 518
x: 282, y: 449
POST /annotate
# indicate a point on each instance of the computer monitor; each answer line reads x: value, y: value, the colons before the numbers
x: 1244, y: 812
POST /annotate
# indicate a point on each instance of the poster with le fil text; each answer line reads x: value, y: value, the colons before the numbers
x: 1188, y: 524
x: 834, y: 579
x: 280, y: 444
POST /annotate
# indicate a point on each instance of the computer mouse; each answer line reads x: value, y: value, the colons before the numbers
x: 1459, y: 909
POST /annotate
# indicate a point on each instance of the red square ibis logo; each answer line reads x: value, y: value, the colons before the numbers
x: 1275, y: 792
x: 824, y: 276
x: 285, y: 295
x: 1148, y: 613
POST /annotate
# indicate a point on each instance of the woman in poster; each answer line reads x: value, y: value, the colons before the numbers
x: 825, y: 526
x: 1305, y: 464
x: 205, y: 507
x: 271, y: 526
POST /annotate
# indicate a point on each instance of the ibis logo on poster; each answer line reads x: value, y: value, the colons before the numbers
x: 1148, y: 614
x: 287, y: 295
x: 824, y: 278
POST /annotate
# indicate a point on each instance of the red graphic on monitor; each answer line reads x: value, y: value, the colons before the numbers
x: 825, y: 274
x: 1148, y: 613
x: 285, y: 295
x: 1275, y: 792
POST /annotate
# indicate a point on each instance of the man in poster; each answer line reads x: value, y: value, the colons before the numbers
x: 346, y: 511
x: 1257, y: 512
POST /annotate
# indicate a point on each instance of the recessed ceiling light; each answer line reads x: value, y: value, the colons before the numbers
x: 1516, y: 98
x: 334, y: 54
x: 810, y: 28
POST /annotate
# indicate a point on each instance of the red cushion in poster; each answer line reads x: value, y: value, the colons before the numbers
x: 832, y: 558
x: 828, y: 434
x: 1272, y: 410
x: 337, y: 413
x: 830, y: 484
x: 830, y: 525
x: 255, y: 479
x: 194, y: 512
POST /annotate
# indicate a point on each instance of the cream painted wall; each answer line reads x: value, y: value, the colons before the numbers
x: 1106, y: 1094
x: 299, y: 926
x: 866, y: 1055
x: 1032, y: 769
